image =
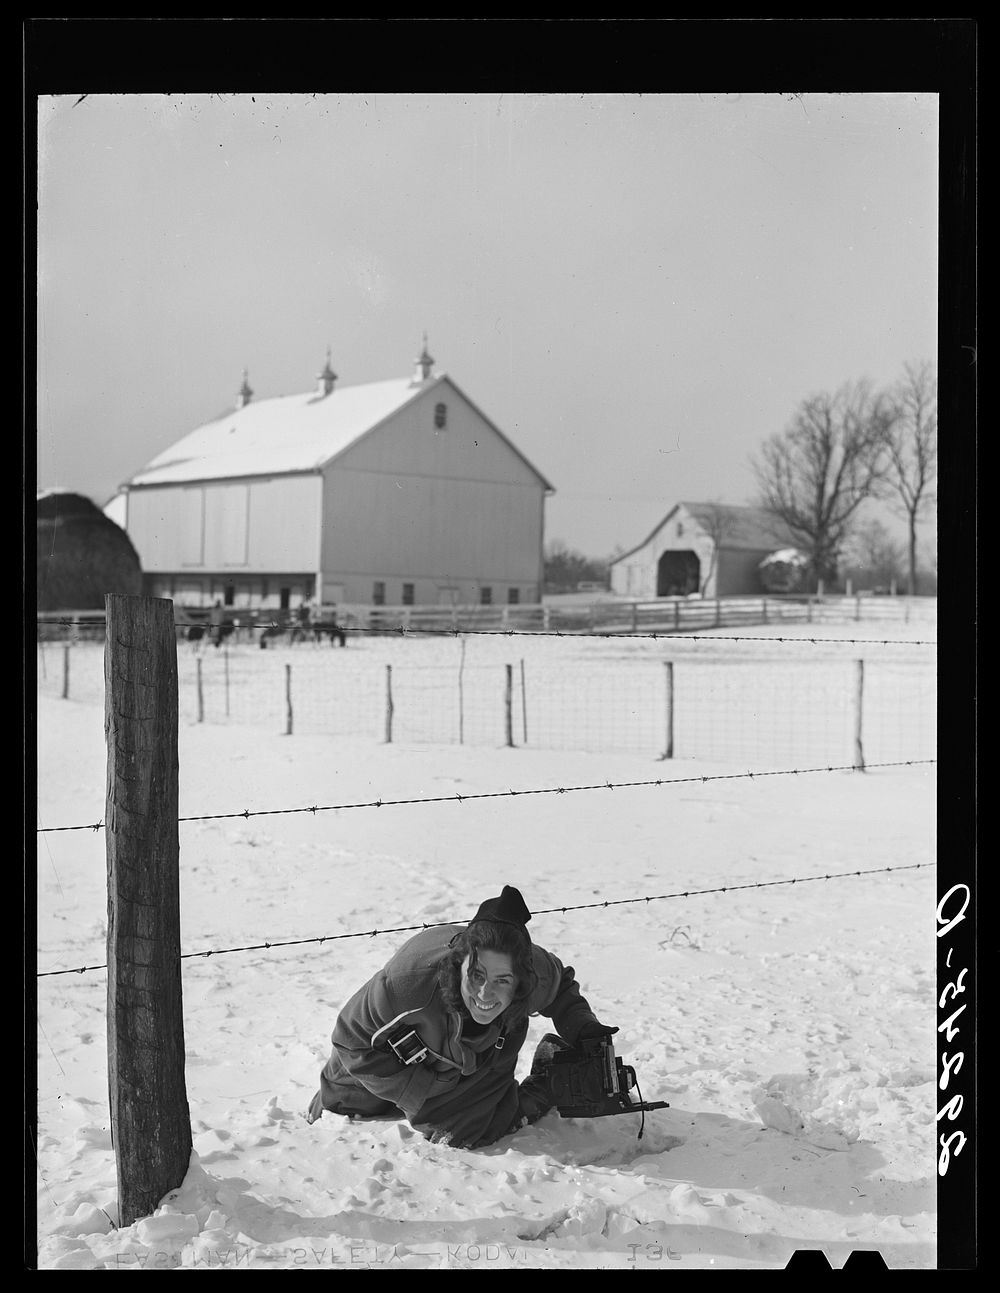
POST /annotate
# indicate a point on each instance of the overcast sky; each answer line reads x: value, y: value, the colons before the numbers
x: 637, y: 289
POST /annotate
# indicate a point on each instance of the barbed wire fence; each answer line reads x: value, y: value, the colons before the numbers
x: 723, y: 708
x: 545, y: 911
x: 693, y: 707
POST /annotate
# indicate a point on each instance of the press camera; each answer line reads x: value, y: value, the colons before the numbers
x: 589, y: 1081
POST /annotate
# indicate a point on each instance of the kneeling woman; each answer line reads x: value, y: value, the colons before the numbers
x: 434, y: 1037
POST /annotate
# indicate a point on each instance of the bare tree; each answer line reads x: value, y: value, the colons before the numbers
x: 718, y: 525
x: 873, y: 557
x: 912, y: 447
x: 818, y: 472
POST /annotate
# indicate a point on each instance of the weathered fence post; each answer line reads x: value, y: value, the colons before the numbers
x: 508, y: 699
x: 524, y: 707
x: 763, y: 607
x: 857, y: 607
x: 668, y: 752
x: 635, y: 616
x: 677, y: 614
x: 718, y: 612
x: 859, y: 684
x: 201, y: 694
x: 388, y: 704
x: 288, y: 700
x: 225, y: 661
x: 65, y: 687
x: 150, y: 1121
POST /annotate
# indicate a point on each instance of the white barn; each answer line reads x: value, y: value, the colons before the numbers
x: 713, y: 549
x: 398, y: 492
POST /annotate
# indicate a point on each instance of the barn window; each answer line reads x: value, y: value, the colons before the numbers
x: 440, y: 414
x: 513, y: 596
x: 680, y: 529
x: 486, y: 596
x: 407, y: 594
x: 378, y: 592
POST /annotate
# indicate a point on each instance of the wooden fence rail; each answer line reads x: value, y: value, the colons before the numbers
x: 618, y: 616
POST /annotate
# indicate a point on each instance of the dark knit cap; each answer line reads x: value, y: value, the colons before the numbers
x: 509, y: 907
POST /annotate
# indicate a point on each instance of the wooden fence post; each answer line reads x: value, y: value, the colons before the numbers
x: 288, y: 699
x: 150, y: 1120
x: 388, y: 704
x: 524, y: 707
x: 225, y: 661
x: 635, y: 616
x: 65, y: 687
x: 859, y: 684
x: 201, y: 694
x: 677, y: 615
x: 668, y: 752
x: 508, y: 699
x: 718, y: 612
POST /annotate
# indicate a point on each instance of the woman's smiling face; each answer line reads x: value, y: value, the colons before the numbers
x: 488, y: 989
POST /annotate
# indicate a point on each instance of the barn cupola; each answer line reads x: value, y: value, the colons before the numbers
x: 245, y: 394
x: 424, y: 364
x: 326, y: 378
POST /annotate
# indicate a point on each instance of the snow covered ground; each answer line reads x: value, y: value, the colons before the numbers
x: 791, y: 1028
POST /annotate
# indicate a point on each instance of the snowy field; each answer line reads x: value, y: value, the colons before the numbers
x: 791, y: 1028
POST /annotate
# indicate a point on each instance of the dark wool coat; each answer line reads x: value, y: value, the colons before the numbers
x: 465, y: 1086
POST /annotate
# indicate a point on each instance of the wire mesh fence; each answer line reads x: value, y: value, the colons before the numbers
x: 762, y: 702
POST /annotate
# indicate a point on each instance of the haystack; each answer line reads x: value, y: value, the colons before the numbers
x: 82, y: 554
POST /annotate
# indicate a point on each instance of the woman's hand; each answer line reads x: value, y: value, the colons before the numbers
x: 595, y: 1030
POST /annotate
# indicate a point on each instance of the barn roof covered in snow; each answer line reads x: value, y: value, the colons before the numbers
x: 738, y: 527
x: 289, y: 433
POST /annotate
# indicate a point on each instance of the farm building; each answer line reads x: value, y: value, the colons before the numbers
x: 81, y: 554
x: 710, y: 548
x: 398, y: 492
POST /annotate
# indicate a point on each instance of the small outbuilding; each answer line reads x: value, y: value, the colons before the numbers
x: 81, y: 555
x: 711, y: 549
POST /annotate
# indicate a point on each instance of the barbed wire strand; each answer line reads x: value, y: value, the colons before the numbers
x: 546, y: 911
x: 402, y: 631
x: 247, y: 813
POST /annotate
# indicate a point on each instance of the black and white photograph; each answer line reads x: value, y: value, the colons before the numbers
x: 485, y: 705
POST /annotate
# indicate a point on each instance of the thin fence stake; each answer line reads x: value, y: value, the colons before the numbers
x: 461, y: 697
x: 859, y: 757
x: 65, y: 687
x: 288, y: 699
x: 668, y: 752
x: 524, y: 707
x: 225, y: 662
x: 508, y: 694
x: 200, y: 691
x: 388, y: 704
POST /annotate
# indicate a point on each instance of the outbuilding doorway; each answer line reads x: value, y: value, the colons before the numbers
x: 678, y: 574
